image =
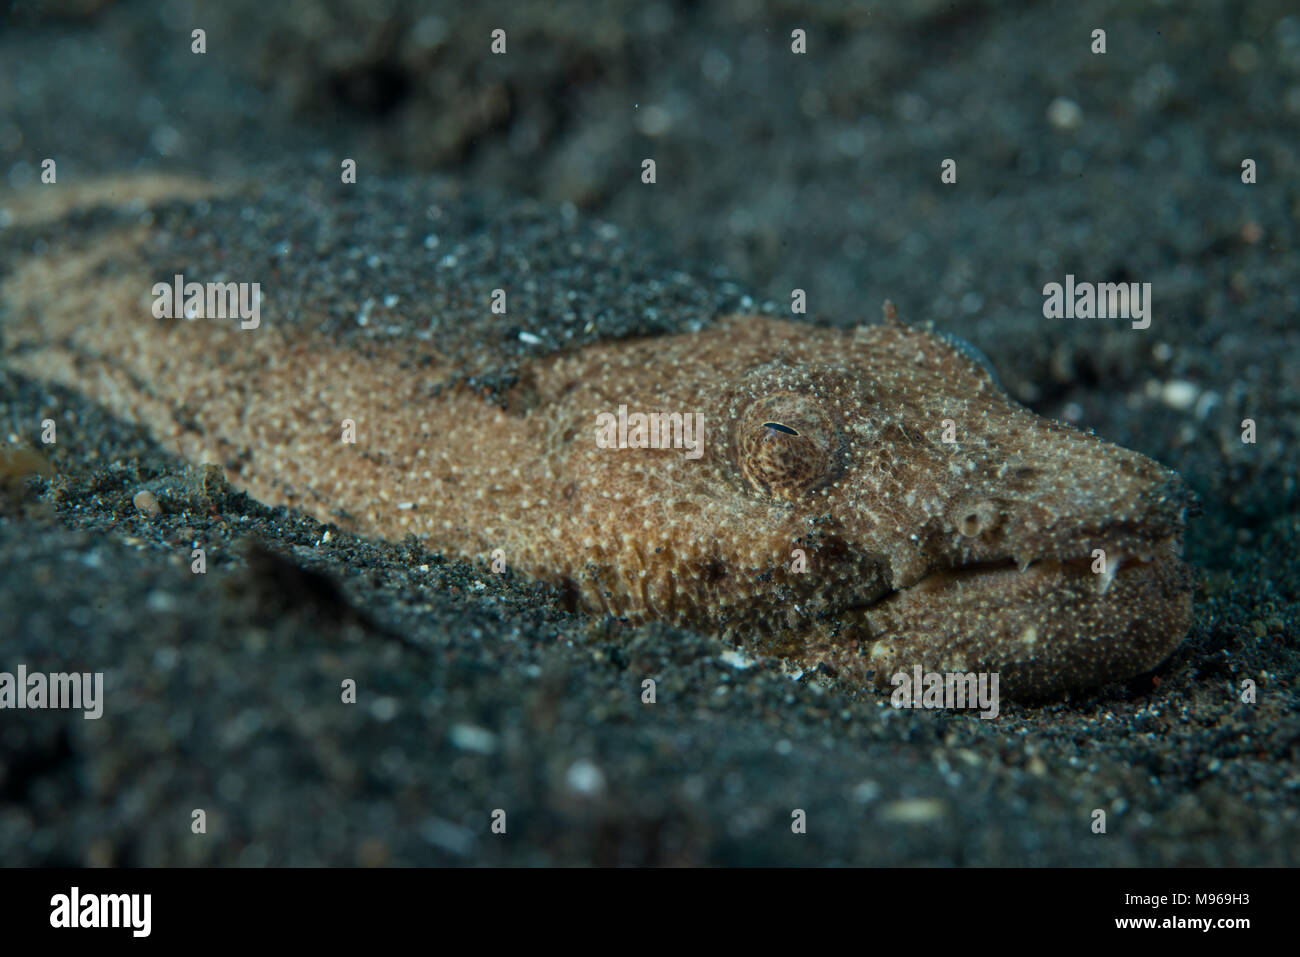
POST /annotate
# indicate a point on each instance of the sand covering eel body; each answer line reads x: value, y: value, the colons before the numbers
x: 865, y: 501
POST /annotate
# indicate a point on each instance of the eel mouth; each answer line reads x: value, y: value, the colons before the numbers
x: 1099, y: 571
x: 1045, y: 626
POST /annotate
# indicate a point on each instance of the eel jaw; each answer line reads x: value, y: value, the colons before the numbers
x: 1053, y: 627
x: 1050, y: 627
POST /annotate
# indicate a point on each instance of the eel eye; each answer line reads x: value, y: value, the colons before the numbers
x: 786, y: 445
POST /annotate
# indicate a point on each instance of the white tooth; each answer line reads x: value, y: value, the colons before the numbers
x: 1105, y: 578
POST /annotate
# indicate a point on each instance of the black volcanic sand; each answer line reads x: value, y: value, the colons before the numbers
x: 476, y: 692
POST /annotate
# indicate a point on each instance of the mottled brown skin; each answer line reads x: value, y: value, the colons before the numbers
x: 970, y: 555
x: 832, y: 443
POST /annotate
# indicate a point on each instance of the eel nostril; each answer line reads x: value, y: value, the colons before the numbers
x: 977, y: 519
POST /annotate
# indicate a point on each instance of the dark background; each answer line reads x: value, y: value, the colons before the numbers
x: 774, y: 171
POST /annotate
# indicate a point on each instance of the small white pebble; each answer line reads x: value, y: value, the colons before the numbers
x: 913, y: 811
x: 1064, y: 114
x: 866, y: 792
x: 159, y: 601
x: 1180, y: 394
x: 470, y: 737
x: 585, y: 778
x: 736, y: 659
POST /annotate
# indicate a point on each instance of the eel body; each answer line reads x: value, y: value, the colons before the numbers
x: 865, y: 501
